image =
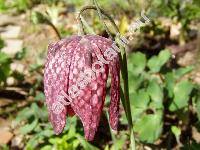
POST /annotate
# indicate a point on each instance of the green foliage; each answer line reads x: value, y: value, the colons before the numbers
x: 21, y: 54
x: 41, y: 134
x: 68, y: 140
x: 29, y: 127
x: 117, y: 4
x: 19, y: 5
x: 50, y: 2
x: 183, y: 11
x: 34, y: 117
x: 156, y: 62
x: 5, y: 71
x: 191, y: 146
x: 176, y: 8
x: 4, y: 147
x: 2, y: 44
x: 138, y: 62
x: 76, y: 2
x: 40, y: 97
x: 5, y: 62
x: 3, y: 6
x: 198, y: 105
x: 149, y: 127
x: 177, y: 132
x: 119, y: 142
x: 155, y: 91
x: 152, y: 83
x: 22, y: 5
x: 181, y: 92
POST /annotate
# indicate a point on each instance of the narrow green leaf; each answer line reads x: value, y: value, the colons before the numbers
x: 29, y: 127
x: 85, y: 144
x: 24, y: 114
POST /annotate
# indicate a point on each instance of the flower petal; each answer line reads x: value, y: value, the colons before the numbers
x: 112, y: 57
x: 56, y: 80
x: 115, y: 94
x: 67, y: 62
x: 89, y: 102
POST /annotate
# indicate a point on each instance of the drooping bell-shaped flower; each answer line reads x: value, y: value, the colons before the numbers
x: 75, y: 78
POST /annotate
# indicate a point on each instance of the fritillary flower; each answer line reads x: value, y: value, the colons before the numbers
x: 79, y: 67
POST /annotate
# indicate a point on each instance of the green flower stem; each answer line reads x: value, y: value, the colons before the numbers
x: 124, y: 73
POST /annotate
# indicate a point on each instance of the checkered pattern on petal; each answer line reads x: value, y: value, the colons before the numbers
x: 67, y: 59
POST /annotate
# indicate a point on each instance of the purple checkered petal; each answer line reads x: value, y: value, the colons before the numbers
x: 67, y: 62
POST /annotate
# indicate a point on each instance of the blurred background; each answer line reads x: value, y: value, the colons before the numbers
x: 164, y: 74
